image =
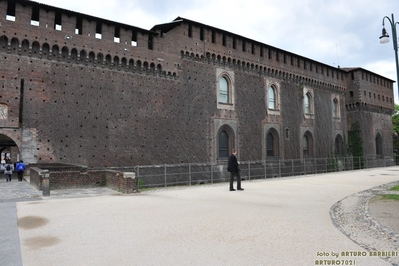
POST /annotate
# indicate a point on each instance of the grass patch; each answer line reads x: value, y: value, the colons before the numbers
x: 390, y: 197
x: 395, y: 188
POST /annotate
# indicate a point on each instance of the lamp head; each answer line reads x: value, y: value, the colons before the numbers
x: 384, y: 37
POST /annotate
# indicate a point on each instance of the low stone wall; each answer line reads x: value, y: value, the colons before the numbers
x: 75, y: 177
x: 125, y: 182
x: 35, y: 177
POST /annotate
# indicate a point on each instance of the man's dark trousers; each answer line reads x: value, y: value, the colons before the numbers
x: 237, y: 174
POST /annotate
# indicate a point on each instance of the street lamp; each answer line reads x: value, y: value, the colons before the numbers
x: 385, y: 39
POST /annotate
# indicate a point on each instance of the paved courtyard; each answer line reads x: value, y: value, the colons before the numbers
x: 307, y: 220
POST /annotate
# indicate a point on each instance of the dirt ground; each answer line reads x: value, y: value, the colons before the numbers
x: 385, y: 212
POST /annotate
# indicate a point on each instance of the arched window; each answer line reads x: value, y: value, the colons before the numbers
x: 307, y: 144
x: 272, y: 143
x: 339, y: 145
x: 307, y: 103
x: 223, y: 144
x: 378, y: 145
x: 224, y: 91
x: 272, y: 98
x: 335, y: 108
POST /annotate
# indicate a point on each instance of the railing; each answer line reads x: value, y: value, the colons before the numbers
x: 203, y: 173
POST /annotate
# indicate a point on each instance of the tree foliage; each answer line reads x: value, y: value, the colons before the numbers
x: 395, y: 129
x: 355, y: 142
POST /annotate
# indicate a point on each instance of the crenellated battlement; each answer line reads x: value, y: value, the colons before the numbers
x: 46, y: 32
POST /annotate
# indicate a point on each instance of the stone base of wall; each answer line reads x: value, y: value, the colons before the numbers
x: 64, y: 177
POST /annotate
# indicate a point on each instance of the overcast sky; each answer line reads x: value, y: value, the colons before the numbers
x: 335, y: 32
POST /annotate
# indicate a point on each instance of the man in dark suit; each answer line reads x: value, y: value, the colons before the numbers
x: 234, y: 170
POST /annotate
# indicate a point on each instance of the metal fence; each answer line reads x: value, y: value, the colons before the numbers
x: 204, y: 173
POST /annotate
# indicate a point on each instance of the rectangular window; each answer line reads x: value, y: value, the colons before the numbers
x: 134, y: 38
x: 261, y: 51
x: 99, y: 30
x: 234, y: 42
x: 202, y: 33
x: 190, y: 30
x: 10, y: 11
x: 243, y: 45
x: 117, y: 35
x: 79, y: 26
x: 213, y: 36
x: 35, y: 16
x: 150, y: 42
x: 224, y: 39
x: 58, y: 21
x: 253, y: 48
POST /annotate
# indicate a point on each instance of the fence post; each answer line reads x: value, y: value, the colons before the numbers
x: 265, y: 169
x: 279, y: 168
x: 292, y: 167
x: 165, y: 174
x: 45, y: 176
x: 138, y: 177
x: 304, y: 166
x: 249, y: 171
x: 211, y: 174
x: 189, y: 174
x: 327, y: 165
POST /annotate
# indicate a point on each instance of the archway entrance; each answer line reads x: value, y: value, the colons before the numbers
x: 9, y: 149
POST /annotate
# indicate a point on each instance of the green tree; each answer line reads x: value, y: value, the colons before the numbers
x: 355, y: 142
x: 395, y: 129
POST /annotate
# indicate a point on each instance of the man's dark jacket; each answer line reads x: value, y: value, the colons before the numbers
x: 232, y: 165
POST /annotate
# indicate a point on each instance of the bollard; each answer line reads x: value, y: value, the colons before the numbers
x: 45, y: 183
x: 129, y: 182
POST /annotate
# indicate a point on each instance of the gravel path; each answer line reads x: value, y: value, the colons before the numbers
x: 375, y: 231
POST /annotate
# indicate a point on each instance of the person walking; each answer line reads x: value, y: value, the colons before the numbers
x: 20, y: 169
x: 234, y: 169
x: 8, y: 171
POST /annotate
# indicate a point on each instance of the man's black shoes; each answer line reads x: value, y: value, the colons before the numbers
x: 232, y: 189
x: 240, y: 189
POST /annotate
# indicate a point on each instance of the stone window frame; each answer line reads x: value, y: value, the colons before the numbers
x: 229, y: 76
x: 339, y: 145
x: 3, y: 111
x: 308, y: 93
x: 231, y: 126
x: 309, y: 151
x: 336, y: 107
x: 275, y: 144
x: 276, y: 87
x: 231, y: 141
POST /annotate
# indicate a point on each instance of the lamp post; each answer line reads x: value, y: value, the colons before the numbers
x: 385, y: 39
